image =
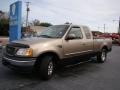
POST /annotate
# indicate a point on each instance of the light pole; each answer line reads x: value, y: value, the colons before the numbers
x: 119, y: 24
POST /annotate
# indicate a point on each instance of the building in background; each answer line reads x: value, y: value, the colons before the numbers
x: 32, y: 31
x: 37, y: 28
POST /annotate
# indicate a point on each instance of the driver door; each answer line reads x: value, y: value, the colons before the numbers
x: 73, y: 46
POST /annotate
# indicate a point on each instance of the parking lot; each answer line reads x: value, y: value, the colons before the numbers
x: 86, y: 76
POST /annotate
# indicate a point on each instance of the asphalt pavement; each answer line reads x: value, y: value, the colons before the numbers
x: 86, y: 76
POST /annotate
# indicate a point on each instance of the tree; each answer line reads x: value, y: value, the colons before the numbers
x: 4, y: 27
x: 1, y: 14
x: 4, y: 24
x: 36, y: 22
x: 45, y: 24
x: 67, y: 23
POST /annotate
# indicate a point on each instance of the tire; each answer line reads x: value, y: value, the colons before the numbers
x: 46, y: 67
x: 102, y: 56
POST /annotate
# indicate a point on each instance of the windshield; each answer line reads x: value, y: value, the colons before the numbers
x: 56, y: 31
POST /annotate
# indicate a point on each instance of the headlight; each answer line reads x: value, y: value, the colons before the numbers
x: 25, y: 52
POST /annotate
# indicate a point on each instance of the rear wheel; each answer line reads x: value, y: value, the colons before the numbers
x: 101, y: 57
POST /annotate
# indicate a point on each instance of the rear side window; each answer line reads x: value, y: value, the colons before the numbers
x: 87, y: 32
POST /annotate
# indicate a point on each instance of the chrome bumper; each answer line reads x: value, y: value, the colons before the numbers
x: 18, y: 63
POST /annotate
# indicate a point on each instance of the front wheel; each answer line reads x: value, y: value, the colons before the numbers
x: 101, y: 57
x: 46, y: 68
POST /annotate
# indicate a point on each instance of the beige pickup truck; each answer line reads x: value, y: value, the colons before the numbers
x: 54, y: 45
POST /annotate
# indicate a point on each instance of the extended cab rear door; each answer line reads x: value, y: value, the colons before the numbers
x: 88, y: 40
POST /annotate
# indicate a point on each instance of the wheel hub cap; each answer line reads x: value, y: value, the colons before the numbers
x: 103, y: 56
x: 50, y: 68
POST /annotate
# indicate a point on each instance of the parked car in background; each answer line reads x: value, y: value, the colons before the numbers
x: 115, y: 36
x: 106, y: 35
x: 0, y: 44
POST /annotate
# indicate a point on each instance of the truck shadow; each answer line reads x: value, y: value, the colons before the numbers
x: 74, y: 71
x: 78, y: 70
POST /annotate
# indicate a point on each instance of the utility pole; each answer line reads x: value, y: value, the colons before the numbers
x: 119, y: 24
x: 104, y: 28
x: 28, y: 9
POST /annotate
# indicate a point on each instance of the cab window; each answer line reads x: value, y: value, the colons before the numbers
x: 76, y: 32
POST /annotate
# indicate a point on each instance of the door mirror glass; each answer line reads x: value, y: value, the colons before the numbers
x: 71, y: 36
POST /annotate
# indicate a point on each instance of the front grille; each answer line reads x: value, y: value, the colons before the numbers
x: 10, y: 50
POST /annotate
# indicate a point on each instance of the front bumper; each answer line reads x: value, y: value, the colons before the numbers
x: 24, y: 64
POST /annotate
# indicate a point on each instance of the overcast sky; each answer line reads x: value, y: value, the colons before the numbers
x: 93, y: 13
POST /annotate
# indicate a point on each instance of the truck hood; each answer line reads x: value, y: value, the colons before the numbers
x: 31, y: 41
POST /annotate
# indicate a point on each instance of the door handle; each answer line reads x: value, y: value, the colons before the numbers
x: 84, y: 44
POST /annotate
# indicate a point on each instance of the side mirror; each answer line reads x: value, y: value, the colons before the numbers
x: 70, y: 37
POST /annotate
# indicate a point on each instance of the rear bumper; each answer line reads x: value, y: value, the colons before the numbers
x: 109, y: 50
x: 0, y: 45
x: 21, y: 64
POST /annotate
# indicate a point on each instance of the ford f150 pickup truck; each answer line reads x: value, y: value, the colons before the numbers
x: 54, y: 45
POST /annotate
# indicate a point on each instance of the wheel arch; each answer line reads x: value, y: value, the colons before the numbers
x: 105, y: 47
x: 54, y: 54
